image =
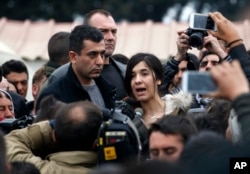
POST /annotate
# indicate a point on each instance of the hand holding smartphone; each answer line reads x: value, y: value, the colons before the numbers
x: 198, y: 26
x: 201, y: 22
x: 198, y: 82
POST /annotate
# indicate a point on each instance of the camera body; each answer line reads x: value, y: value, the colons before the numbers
x: 196, y: 37
x: 198, y: 26
x: 118, y: 140
x: 7, y: 125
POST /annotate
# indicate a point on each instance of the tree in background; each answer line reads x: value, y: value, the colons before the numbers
x: 130, y: 10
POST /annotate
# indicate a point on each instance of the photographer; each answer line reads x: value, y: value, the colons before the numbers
x: 212, y: 52
x: 183, y: 60
x: 176, y: 65
x: 70, y: 140
x: 228, y: 33
x: 209, y: 43
x: 174, y: 68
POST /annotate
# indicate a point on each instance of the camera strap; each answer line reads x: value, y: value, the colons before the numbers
x: 126, y: 120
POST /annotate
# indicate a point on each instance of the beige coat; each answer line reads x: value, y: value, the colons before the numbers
x: 21, y: 143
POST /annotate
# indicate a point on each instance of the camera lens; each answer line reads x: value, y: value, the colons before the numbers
x: 196, y: 39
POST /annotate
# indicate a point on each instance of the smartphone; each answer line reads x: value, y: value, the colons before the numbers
x: 201, y: 22
x: 198, y: 82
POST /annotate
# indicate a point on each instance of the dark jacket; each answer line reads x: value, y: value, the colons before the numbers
x: 19, y: 102
x: 68, y: 89
x: 120, y: 66
x: 61, y: 71
x: 50, y: 67
x: 170, y: 68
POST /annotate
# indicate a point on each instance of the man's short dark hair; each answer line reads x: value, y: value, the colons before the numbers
x: 58, y: 48
x: 193, y: 61
x: 81, y: 33
x: 174, y: 125
x: 14, y: 66
x: 77, y: 125
x: 88, y: 15
x: 206, y: 53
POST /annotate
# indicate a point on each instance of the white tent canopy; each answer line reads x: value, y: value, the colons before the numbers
x: 6, y: 53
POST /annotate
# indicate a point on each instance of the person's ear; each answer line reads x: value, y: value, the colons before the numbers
x: 158, y: 82
x: 72, y: 56
x: 94, y: 144
x: 35, y: 89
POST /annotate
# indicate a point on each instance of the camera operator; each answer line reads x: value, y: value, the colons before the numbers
x: 70, y: 139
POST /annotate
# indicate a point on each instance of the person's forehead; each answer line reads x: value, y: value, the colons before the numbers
x: 211, y: 57
x: 17, y: 75
x: 183, y: 64
x: 140, y: 66
x: 93, y: 46
x: 101, y: 21
x: 167, y: 138
x: 5, y: 101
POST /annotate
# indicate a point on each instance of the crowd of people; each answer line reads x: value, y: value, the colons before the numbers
x: 83, y: 79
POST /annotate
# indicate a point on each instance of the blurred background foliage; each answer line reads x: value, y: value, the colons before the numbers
x: 130, y: 10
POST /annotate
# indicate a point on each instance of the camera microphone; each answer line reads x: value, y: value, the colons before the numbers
x: 106, y: 113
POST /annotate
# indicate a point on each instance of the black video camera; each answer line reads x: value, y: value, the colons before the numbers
x: 196, y: 37
x: 7, y: 125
